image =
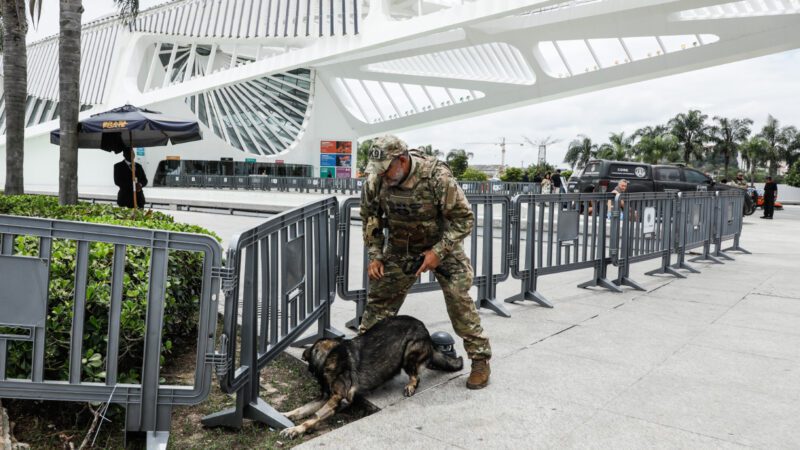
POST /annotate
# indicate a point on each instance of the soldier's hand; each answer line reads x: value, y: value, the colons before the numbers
x: 431, y: 262
x: 375, y: 269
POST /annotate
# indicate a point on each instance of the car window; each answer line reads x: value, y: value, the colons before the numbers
x: 693, y: 176
x: 628, y: 171
x: 591, y: 170
x: 668, y: 174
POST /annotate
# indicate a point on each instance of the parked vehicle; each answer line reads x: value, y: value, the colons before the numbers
x: 758, y: 198
x: 601, y: 175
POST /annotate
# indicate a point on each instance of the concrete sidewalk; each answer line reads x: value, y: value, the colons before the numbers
x: 708, y: 361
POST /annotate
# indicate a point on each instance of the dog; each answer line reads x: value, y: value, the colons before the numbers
x: 349, y: 368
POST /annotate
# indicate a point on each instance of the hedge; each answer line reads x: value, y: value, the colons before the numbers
x: 183, y: 289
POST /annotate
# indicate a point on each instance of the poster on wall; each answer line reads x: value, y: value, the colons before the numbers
x: 335, y: 159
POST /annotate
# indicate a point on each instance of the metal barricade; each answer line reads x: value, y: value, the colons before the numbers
x: 642, y: 228
x: 256, y: 182
x: 563, y: 232
x: 730, y: 218
x: 282, y: 282
x: 694, y: 222
x: 24, y: 307
x: 174, y: 181
x: 195, y: 180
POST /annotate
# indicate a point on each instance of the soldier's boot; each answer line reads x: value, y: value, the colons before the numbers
x: 479, y: 377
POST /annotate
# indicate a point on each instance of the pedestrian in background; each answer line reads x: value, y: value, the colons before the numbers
x: 770, y: 194
x: 558, y: 185
x: 739, y: 181
x: 123, y: 178
x: 547, y: 184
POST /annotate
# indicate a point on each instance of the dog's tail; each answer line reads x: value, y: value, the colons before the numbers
x: 440, y: 361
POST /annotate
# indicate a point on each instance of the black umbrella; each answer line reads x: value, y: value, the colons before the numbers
x: 126, y: 127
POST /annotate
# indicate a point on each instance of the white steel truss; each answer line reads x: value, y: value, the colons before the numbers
x: 251, y: 69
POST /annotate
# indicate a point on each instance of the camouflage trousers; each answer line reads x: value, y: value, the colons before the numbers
x: 386, y: 296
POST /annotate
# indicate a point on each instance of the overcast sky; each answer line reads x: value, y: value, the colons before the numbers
x: 752, y: 88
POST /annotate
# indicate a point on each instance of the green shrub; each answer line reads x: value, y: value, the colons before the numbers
x: 472, y: 174
x: 183, y: 289
x: 793, y: 175
x: 513, y: 175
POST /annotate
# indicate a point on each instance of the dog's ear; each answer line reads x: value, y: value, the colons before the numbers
x: 307, y: 353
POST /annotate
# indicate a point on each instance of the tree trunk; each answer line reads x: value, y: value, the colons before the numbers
x: 727, y: 162
x: 15, y: 85
x: 69, y: 63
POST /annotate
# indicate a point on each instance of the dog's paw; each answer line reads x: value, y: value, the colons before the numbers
x: 293, y: 432
x: 289, y: 415
x: 409, y: 390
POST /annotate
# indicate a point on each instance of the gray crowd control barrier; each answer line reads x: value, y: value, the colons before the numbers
x: 24, y: 308
x: 643, y: 228
x: 281, y: 281
x: 563, y: 232
x: 489, y: 271
x: 694, y: 227
x: 281, y: 278
x: 346, y: 186
x: 728, y: 224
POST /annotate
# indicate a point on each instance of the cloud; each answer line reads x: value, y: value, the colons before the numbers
x: 751, y: 88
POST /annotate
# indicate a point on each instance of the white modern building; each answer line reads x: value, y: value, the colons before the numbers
x: 274, y: 82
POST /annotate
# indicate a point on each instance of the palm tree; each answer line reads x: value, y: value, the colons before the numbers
x: 15, y: 87
x: 728, y: 135
x: 430, y: 151
x: 69, y: 63
x: 754, y: 153
x: 619, y: 147
x: 657, y: 149
x: 778, y: 140
x: 690, y: 130
x: 458, y: 160
x: 580, y: 151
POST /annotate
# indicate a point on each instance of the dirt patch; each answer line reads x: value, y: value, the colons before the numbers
x: 285, y: 385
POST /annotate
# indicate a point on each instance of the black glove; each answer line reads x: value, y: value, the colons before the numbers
x: 414, y: 265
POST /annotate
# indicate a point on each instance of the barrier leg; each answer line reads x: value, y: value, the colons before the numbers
x: 157, y: 439
x: 486, y: 298
x: 623, y: 276
x: 530, y: 293
x: 707, y: 257
x: 666, y: 270
x: 737, y: 247
x: 253, y: 409
x: 355, y: 322
x: 600, y: 279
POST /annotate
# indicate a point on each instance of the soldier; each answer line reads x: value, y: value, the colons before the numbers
x: 417, y: 198
x: 739, y: 181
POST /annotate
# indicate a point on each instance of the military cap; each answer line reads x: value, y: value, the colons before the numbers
x: 384, y: 149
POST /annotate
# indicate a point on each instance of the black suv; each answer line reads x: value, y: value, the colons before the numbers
x: 601, y: 175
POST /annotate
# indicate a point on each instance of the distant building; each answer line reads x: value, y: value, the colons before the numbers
x: 491, y: 170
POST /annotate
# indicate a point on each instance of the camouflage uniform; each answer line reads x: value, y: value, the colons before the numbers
x: 427, y: 211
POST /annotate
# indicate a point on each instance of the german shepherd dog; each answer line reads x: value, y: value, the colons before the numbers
x: 349, y: 368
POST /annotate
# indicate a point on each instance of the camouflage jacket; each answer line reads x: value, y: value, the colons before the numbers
x: 427, y: 211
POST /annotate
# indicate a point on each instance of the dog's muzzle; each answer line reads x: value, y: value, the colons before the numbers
x: 444, y: 343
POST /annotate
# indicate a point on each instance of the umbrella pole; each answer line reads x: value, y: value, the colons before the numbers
x: 133, y: 170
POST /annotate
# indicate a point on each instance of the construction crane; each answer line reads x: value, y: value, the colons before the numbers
x: 502, y: 145
x: 541, y: 144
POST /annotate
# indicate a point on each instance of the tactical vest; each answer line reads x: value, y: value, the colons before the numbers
x: 413, y: 216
